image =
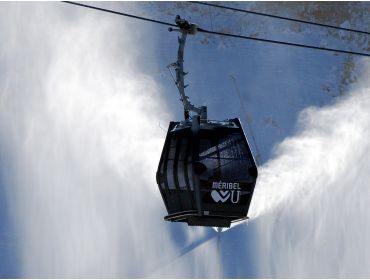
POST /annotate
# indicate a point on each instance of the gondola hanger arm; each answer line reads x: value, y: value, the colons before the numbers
x: 185, y: 28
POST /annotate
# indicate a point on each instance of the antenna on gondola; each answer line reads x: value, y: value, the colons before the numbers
x: 185, y: 28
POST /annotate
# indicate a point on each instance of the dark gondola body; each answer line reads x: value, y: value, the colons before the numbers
x: 206, y: 175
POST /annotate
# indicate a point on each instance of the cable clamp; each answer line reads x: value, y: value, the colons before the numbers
x: 184, y: 26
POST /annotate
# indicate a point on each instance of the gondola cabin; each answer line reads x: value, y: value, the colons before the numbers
x: 206, y: 173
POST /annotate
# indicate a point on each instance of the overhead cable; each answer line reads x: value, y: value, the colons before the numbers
x: 220, y: 33
x: 279, y: 17
x: 282, y: 43
x: 119, y: 13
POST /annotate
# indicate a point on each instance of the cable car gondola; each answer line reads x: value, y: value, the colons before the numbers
x: 206, y: 173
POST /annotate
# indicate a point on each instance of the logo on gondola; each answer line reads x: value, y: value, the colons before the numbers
x: 222, y: 191
x: 220, y: 195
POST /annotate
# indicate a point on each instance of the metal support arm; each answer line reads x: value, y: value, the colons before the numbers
x: 185, y: 28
